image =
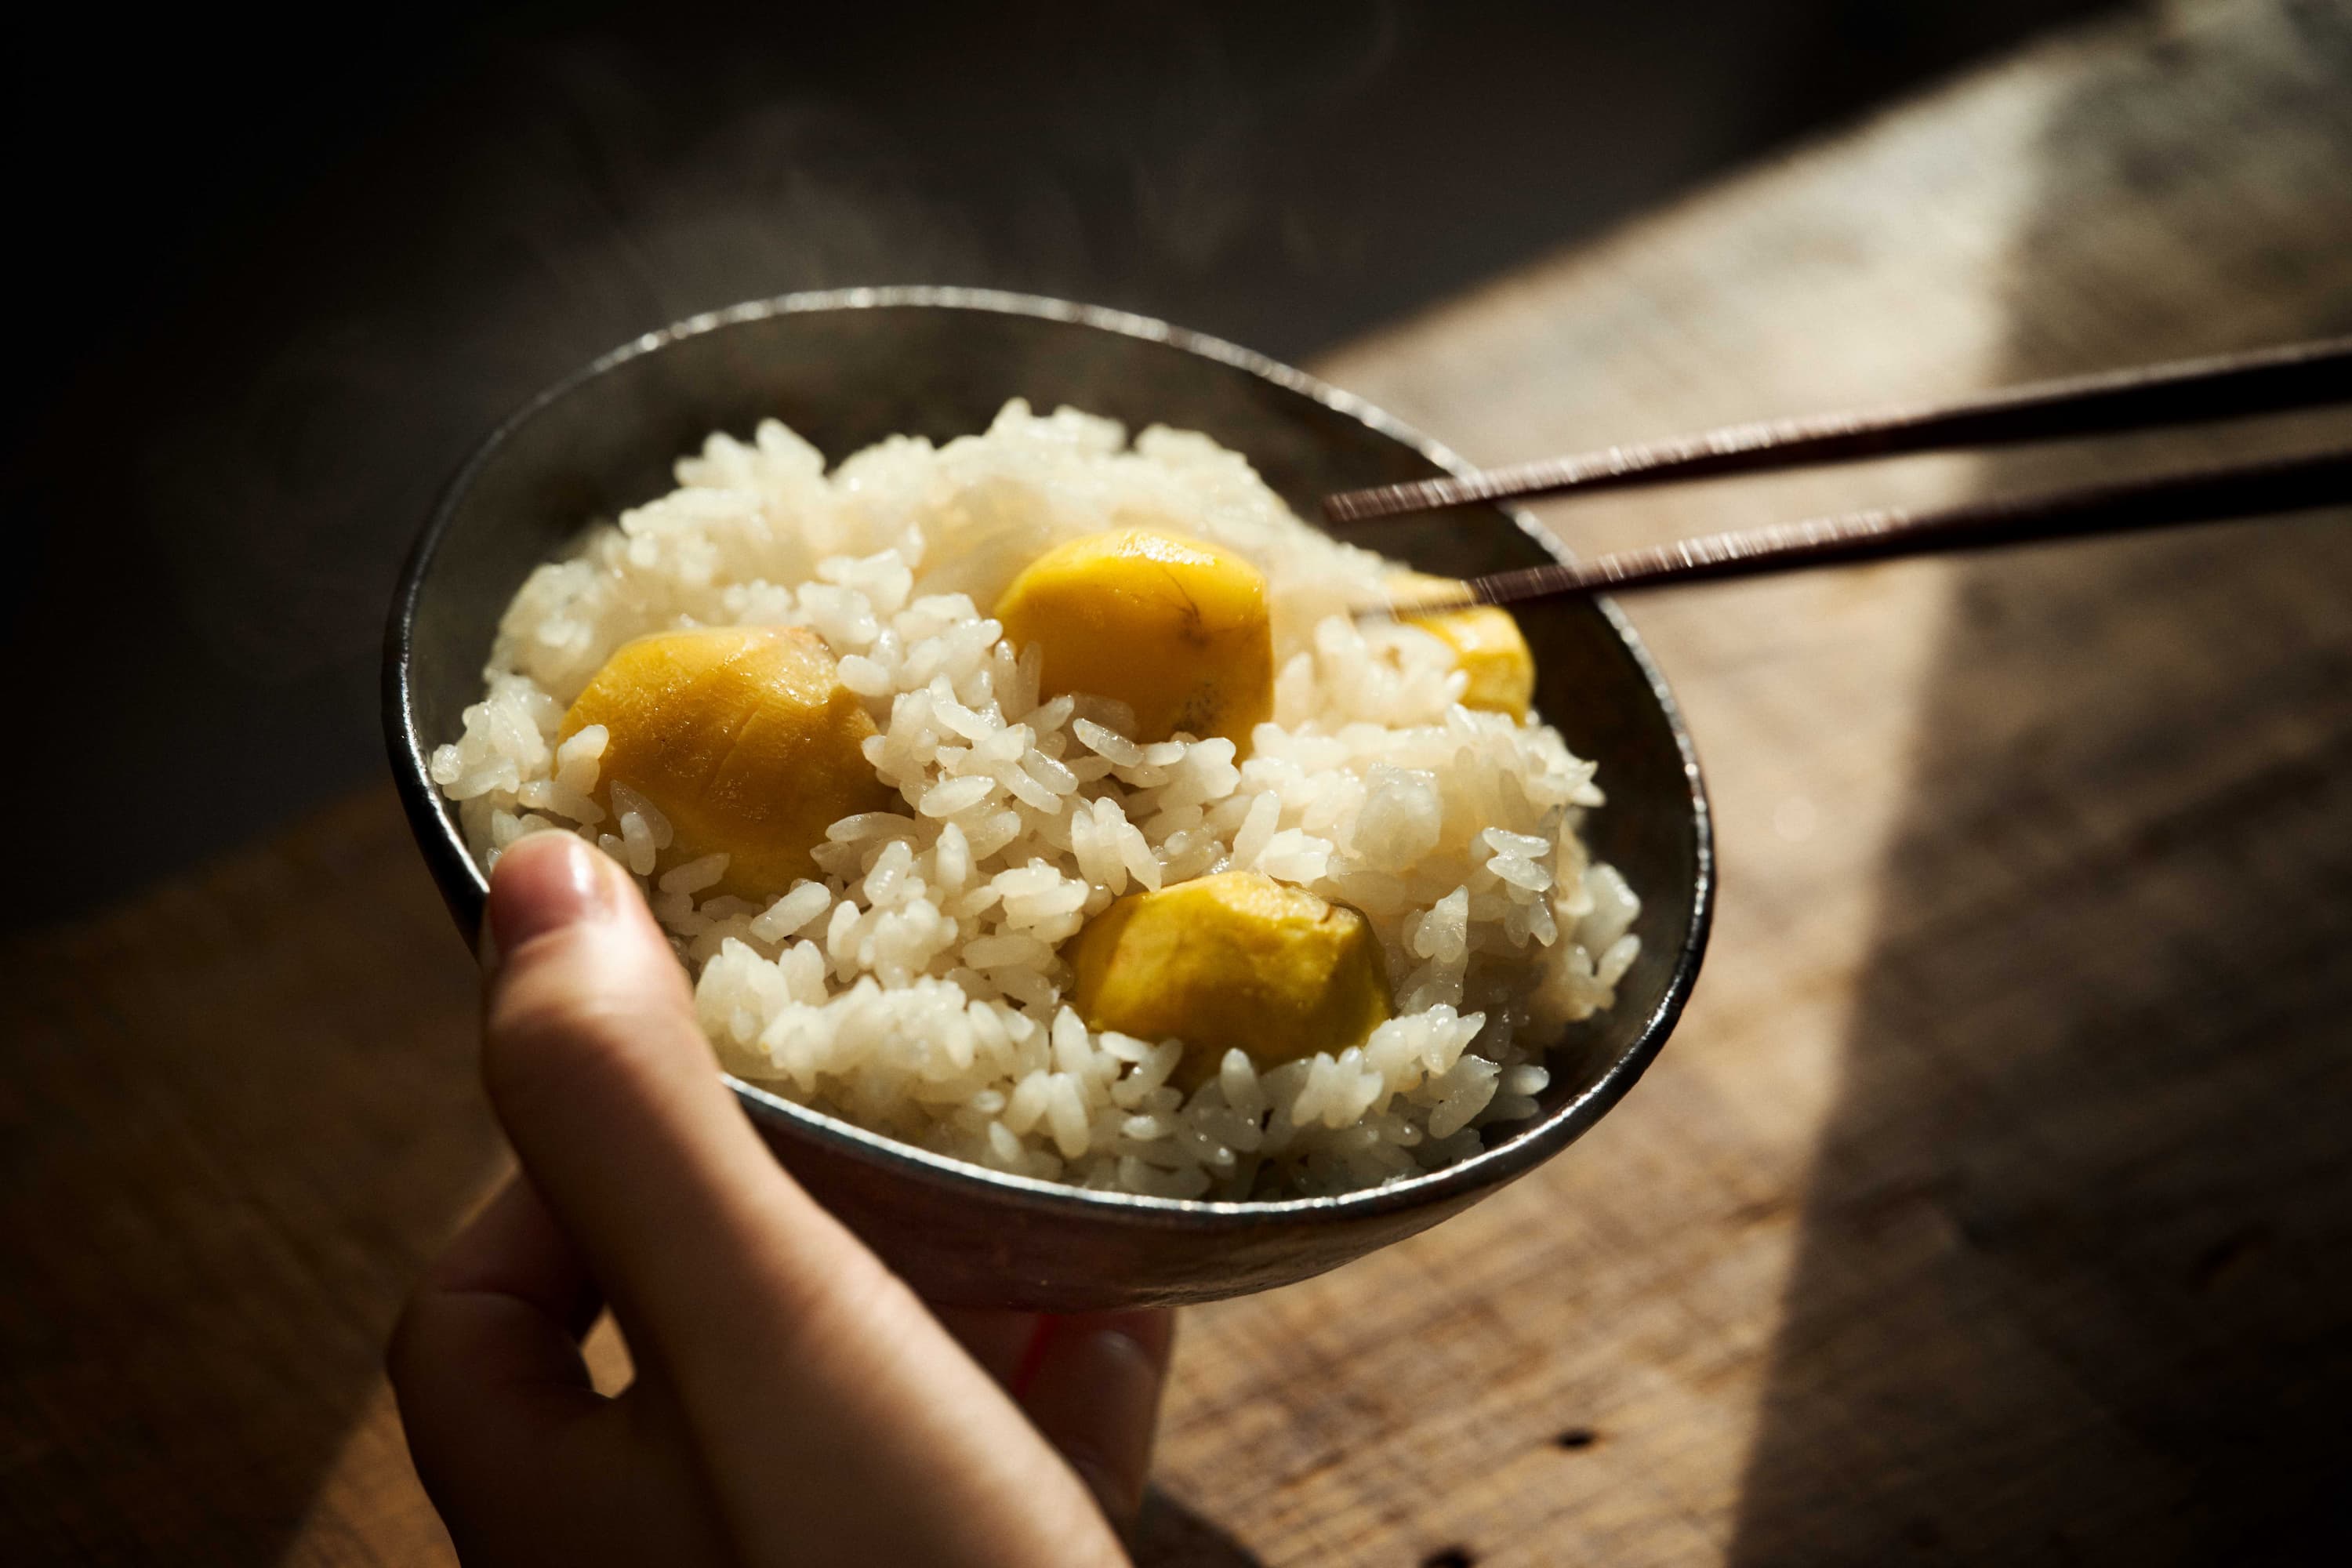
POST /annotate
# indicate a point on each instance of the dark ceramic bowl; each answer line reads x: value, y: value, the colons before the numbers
x: 845, y: 370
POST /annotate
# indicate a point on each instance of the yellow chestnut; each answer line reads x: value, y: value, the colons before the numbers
x: 743, y: 737
x: 1236, y: 959
x: 1486, y: 642
x: 1174, y: 629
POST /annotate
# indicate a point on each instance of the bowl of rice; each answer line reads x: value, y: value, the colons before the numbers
x: 915, y: 1012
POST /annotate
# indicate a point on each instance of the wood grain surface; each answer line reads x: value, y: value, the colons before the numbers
x: 1992, y: 1204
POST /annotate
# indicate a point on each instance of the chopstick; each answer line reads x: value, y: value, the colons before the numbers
x: 2227, y: 386
x: 2202, y: 495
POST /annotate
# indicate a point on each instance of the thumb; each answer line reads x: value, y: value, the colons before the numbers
x: 792, y: 1350
x: 603, y: 1081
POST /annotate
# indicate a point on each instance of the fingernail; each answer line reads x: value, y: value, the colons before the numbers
x: 1096, y: 1398
x: 544, y: 882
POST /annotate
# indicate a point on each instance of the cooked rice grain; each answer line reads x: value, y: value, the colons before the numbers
x: 915, y: 988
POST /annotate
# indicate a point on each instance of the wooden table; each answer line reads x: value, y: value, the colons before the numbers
x: 1992, y: 1202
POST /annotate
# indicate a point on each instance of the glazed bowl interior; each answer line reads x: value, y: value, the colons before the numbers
x: 846, y: 370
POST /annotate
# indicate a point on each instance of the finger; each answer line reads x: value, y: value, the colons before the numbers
x: 604, y: 1082
x: 514, y: 1247
x: 998, y: 1340
x: 1091, y: 1386
x: 500, y: 1313
x: 790, y: 1349
x: 525, y: 1462
x: 485, y: 1361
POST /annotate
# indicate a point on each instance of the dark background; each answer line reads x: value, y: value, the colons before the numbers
x: 2068, y: 1277
x: 277, y: 284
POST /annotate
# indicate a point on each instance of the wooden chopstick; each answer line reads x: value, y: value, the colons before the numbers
x: 2201, y: 495
x: 2186, y: 392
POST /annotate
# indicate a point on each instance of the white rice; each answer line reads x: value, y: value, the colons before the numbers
x: 916, y: 990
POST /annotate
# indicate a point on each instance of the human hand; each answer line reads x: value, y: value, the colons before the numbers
x: 794, y: 1403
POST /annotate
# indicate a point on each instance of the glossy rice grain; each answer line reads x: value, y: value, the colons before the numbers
x: 920, y: 980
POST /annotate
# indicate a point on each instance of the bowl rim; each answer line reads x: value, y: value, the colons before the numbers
x: 465, y: 888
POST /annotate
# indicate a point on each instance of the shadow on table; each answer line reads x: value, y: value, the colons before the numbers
x: 1171, y: 1535
x: 2073, y: 1281
x: 234, y: 1117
